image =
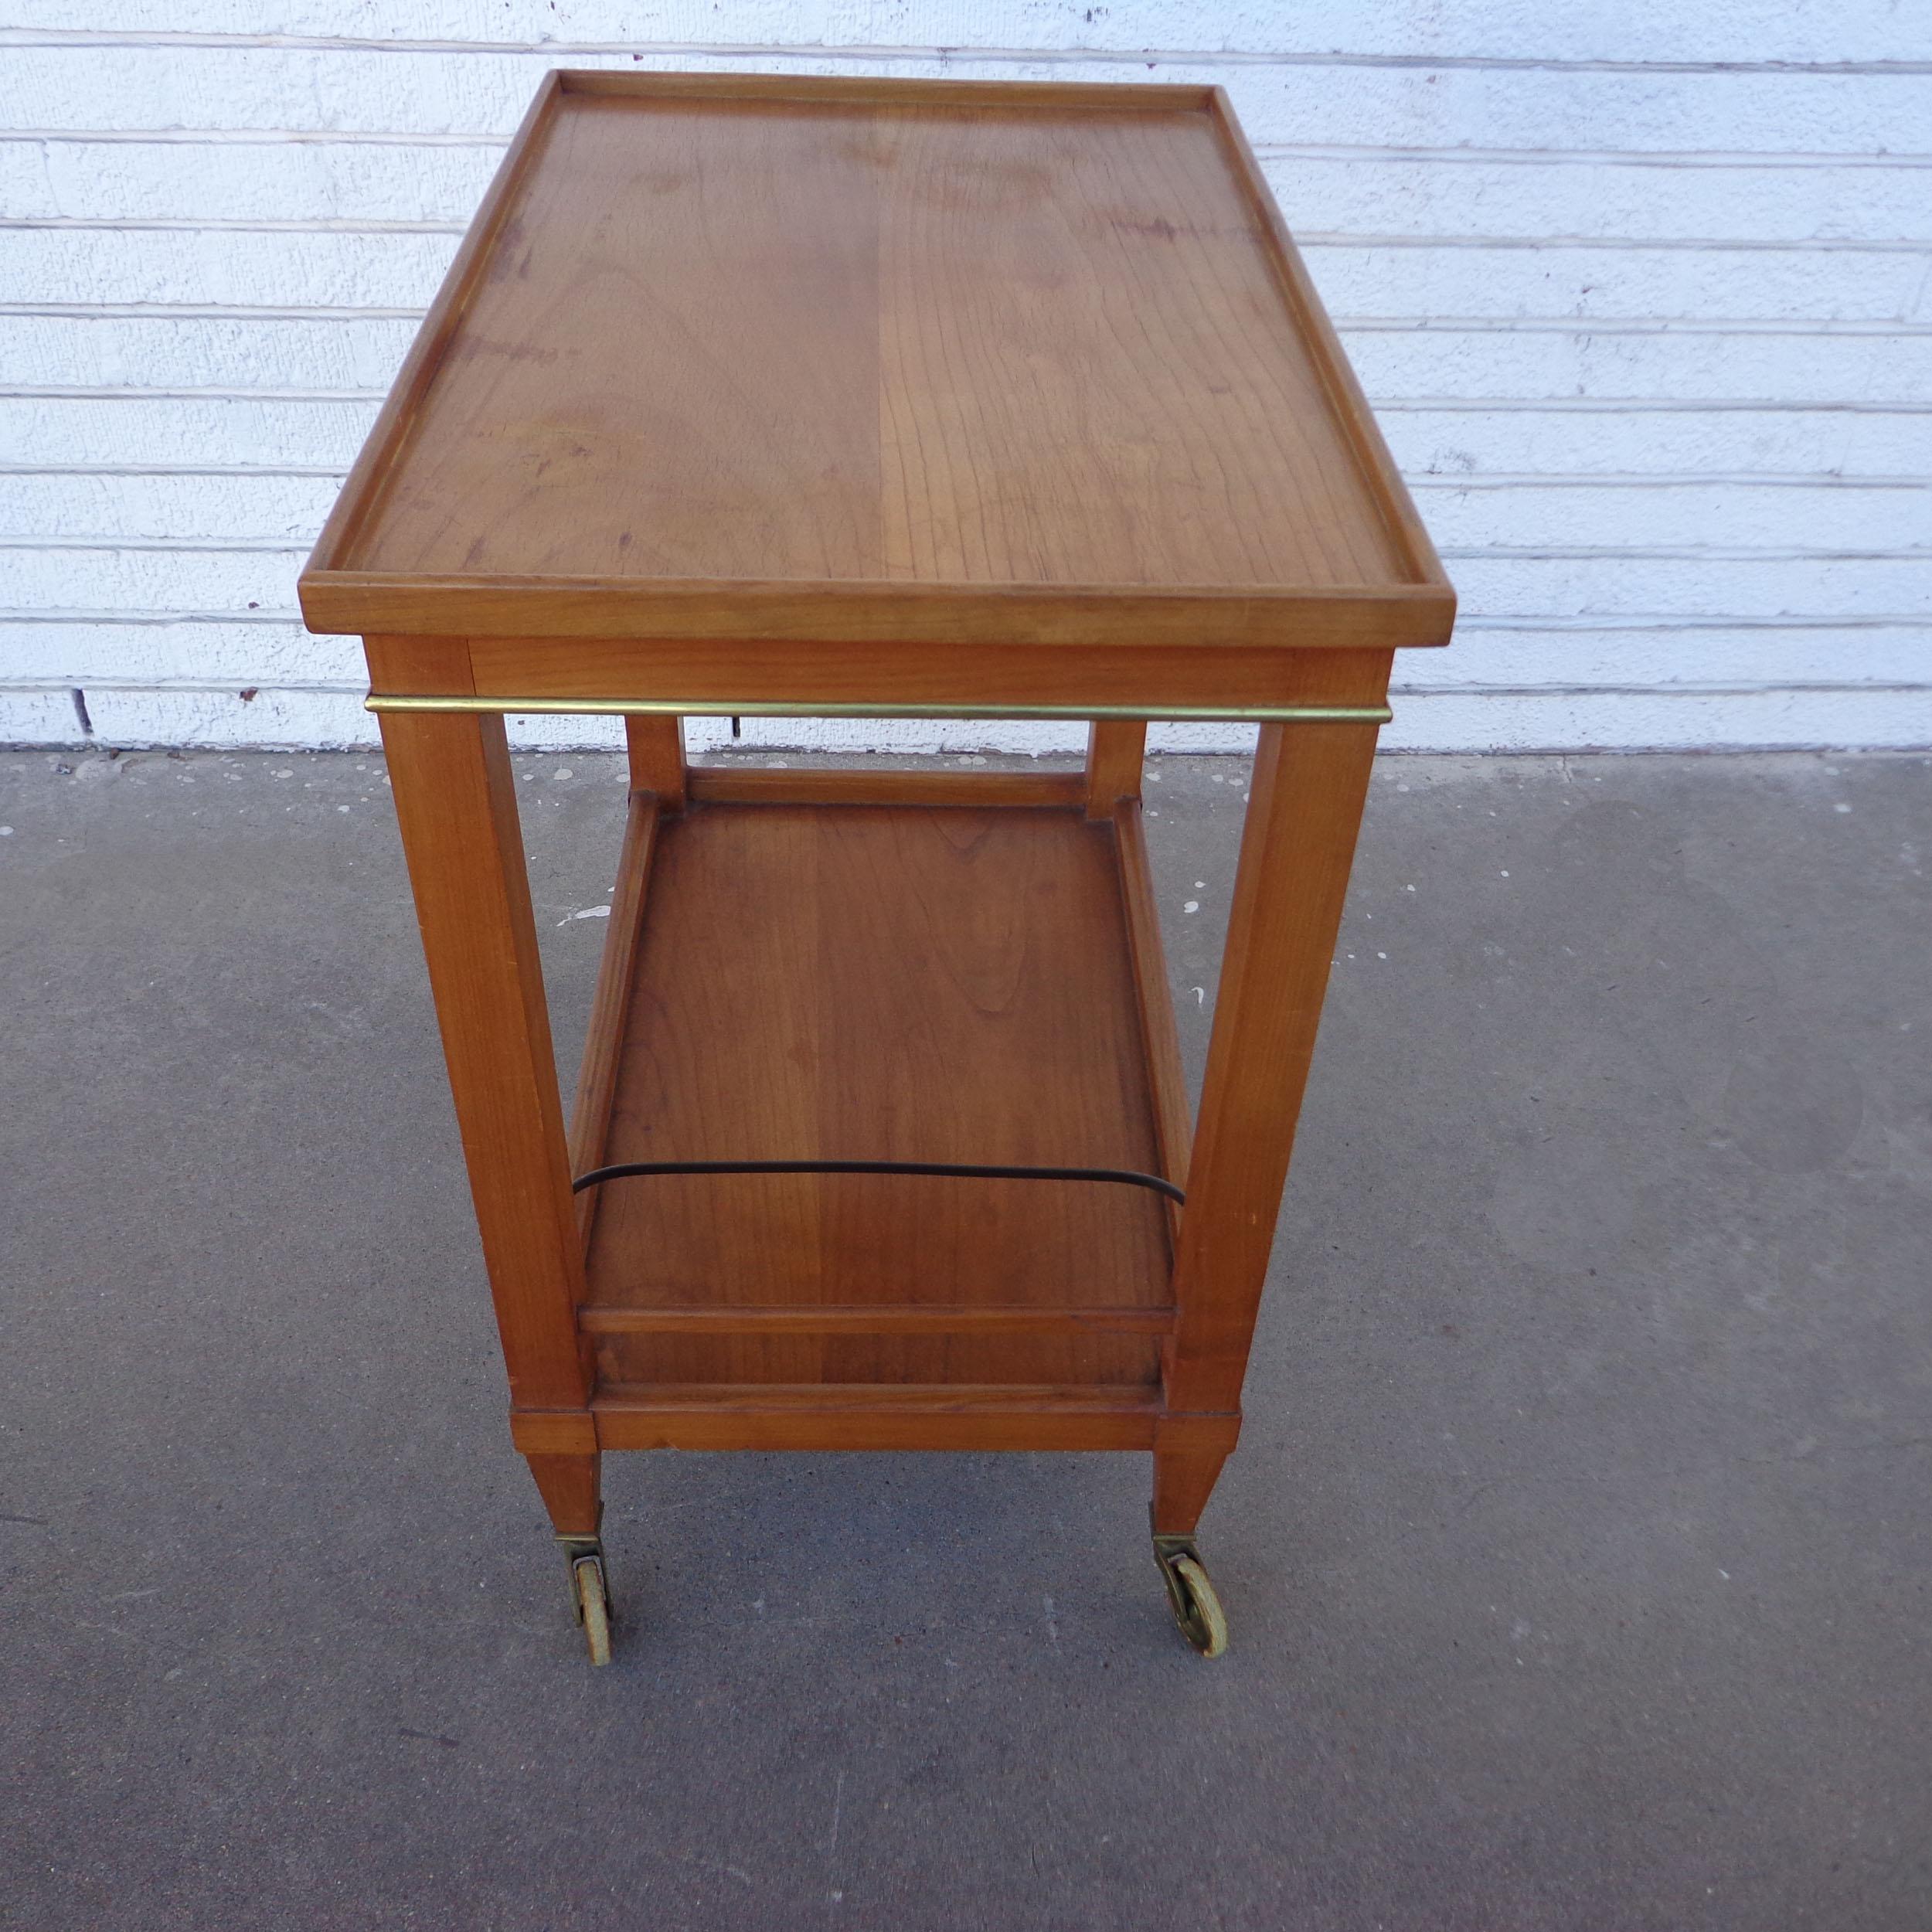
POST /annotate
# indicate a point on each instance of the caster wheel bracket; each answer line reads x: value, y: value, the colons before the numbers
x: 577, y: 1549
x: 589, y: 1592
x: 1190, y: 1594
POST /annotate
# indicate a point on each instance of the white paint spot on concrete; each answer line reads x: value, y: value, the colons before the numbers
x: 1841, y: 807
x: 6, y: 831
x: 1193, y: 906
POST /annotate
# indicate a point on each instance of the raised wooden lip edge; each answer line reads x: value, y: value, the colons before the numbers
x: 675, y: 84
x: 818, y: 611
x: 322, y: 580
x: 363, y: 488
x: 1347, y: 401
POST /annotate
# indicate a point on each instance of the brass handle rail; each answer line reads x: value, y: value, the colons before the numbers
x: 749, y: 707
x: 1125, y: 1177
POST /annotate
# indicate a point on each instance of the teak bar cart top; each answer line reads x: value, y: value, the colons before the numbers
x: 878, y: 398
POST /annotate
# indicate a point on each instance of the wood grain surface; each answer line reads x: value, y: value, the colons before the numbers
x: 456, y: 805
x: 957, y: 1415
x: 947, y: 678
x: 880, y: 345
x: 896, y: 982
x: 1297, y: 844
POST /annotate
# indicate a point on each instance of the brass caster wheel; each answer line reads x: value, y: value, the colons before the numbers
x: 592, y: 1596
x: 1190, y: 1595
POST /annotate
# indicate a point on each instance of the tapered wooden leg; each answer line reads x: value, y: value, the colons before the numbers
x: 1115, y: 749
x: 1310, y: 784
x: 571, y: 1489
x: 457, y: 807
x: 1183, y: 1480
x: 656, y: 749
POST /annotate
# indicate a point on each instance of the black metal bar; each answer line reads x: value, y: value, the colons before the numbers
x: 1126, y: 1176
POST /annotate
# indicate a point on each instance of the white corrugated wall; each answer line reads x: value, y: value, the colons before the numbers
x: 1642, y: 294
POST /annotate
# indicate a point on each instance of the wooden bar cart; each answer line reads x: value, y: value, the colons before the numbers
x: 877, y: 399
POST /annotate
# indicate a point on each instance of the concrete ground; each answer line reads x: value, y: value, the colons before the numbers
x: 1577, y: 1550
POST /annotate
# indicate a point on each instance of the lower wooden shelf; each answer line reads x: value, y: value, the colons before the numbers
x: 972, y: 975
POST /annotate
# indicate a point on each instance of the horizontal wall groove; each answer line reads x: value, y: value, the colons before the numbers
x: 1675, y: 624
x: 359, y: 688
x: 1477, y: 480
x: 216, y: 225
x: 1686, y: 325
x: 1658, y: 157
x: 84, y: 40
x: 257, y: 137
x: 1663, y: 159
x: 1671, y: 622
x: 1386, y: 405
x: 213, y: 546
x: 1689, y: 325
x: 197, y: 546
x: 1701, y: 244
x: 71, y: 392
x: 1309, y: 238
x: 1682, y: 553
x: 211, y: 311
x: 1666, y: 480
x: 320, y: 687
x: 146, y: 619
x: 1688, y: 688
x: 1636, y: 405
x: 324, y: 471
